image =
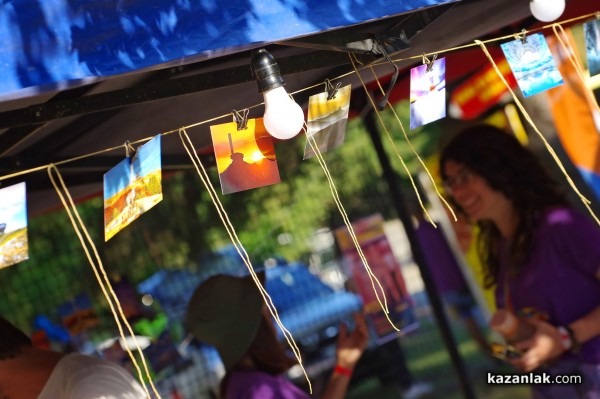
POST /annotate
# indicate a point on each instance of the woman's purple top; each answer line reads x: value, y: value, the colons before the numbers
x: 259, y: 385
x: 560, y: 278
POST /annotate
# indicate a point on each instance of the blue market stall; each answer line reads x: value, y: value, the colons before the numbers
x: 80, y: 77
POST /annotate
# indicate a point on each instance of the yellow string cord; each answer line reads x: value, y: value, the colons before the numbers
x: 462, y: 47
x: 338, y: 202
x: 340, y: 206
x: 389, y: 137
x: 389, y: 105
x: 79, y: 227
x: 227, y: 223
x: 189, y: 148
x: 568, y: 49
x: 583, y: 199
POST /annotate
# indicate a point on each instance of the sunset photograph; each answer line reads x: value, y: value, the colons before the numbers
x: 245, y: 158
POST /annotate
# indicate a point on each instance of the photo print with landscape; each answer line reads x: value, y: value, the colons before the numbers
x: 14, y: 246
x: 132, y: 188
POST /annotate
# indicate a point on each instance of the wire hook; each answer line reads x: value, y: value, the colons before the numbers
x: 381, y: 103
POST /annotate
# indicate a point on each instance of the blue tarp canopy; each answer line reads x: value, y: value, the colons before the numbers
x: 81, y: 76
x: 48, y: 44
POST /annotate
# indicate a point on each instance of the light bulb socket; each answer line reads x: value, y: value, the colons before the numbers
x: 266, y: 71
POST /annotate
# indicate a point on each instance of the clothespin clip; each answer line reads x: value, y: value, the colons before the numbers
x: 129, y: 150
x: 241, y: 118
x: 522, y: 36
x: 429, y: 62
x: 331, y: 89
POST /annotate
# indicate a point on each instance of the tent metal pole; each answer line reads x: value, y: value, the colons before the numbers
x: 436, y: 303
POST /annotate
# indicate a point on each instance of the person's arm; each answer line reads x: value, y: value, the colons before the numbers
x: 547, y: 342
x: 576, y: 237
x: 587, y: 327
x: 350, y: 348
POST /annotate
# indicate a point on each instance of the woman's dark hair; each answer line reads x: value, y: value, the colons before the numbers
x: 266, y: 353
x: 12, y: 340
x: 513, y: 170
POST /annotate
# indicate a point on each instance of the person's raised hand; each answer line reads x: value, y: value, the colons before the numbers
x: 350, y: 346
x: 544, y: 345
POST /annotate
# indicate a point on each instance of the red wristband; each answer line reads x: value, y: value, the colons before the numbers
x: 342, y: 370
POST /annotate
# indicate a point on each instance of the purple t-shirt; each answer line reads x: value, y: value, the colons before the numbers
x: 259, y: 385
x: 560, y: 277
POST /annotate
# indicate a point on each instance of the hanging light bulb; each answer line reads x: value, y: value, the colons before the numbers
x: 547, y: 10
x: 283, y: 117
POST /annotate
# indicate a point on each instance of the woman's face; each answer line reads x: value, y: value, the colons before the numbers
x: 473, y: 193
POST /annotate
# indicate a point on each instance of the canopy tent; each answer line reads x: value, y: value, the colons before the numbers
x: 78, y: 42
x: 81, y: 77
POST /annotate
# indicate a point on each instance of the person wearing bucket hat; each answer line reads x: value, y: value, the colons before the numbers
x: 227, y: 312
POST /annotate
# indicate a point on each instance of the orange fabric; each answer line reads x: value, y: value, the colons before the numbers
x: 572, y: 105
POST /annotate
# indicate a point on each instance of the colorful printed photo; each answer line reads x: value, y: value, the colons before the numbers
x: 245, y: 158
x: 532, y: 64
x: 427, y: 93
x: 132, y: 187
x: 326, y: 122
x: 382, y: 261
x: 592, y: 44
x: 14, y: 247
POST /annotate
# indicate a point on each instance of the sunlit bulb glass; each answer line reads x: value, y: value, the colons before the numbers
x: 283, y: 117
x: 547, y: 10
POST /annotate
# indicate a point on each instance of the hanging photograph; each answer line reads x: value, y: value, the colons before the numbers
x: 377, y: 250
x: 326, y: 121
x: 245, y: 158
x: 132, y: 187
x: 592, y: 45
x: 14, y: 247
x: 532, y: 64
x: 427, y: 93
